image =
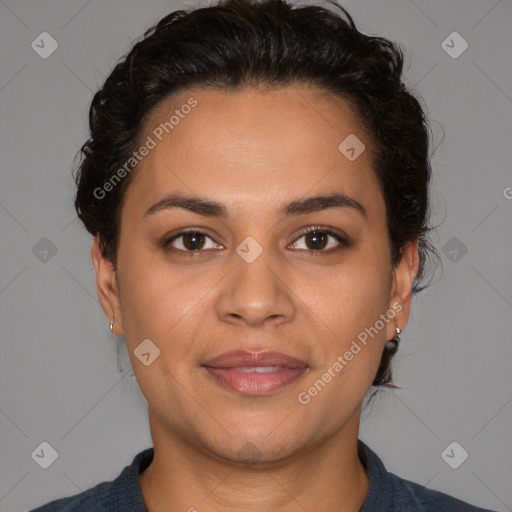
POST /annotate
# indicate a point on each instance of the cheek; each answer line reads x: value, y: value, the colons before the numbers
x: 350, y: 304
x: 163, y: 307
x: 163, y: 303
x: 349, y: 297
x: 350, y: 348
x: 148, y: 297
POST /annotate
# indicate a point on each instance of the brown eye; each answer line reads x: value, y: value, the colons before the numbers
x: 190, y: 241
x: 193, y: 241
x: 317, y: 240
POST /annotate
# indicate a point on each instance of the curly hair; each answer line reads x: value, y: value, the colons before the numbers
x: 242, y: 43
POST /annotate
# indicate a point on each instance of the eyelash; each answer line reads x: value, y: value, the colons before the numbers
x: 319, y: 229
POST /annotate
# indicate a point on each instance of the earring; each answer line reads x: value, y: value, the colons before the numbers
x: 111, y: 326
x: 397, y: 336
x: 396, y: 340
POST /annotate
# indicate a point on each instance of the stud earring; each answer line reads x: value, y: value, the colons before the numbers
x: 397, y: 336
x: 396, y: 340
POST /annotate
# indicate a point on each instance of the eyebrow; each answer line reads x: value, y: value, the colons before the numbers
x: 209, y: 208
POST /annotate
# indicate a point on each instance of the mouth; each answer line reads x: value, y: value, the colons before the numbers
x: 255, y: 373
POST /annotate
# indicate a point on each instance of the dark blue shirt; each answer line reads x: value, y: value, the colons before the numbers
x: 387, y: 492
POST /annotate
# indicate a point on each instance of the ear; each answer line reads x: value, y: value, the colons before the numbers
x: 401, y: 291
x: 106, y: 285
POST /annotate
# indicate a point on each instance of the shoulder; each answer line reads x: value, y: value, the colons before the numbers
x: 92, y: 499
x: 389, y: 492
x: 122, y: 493
x: 429, y: 500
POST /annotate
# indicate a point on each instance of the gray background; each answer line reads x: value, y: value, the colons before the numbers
x: 59, y: 380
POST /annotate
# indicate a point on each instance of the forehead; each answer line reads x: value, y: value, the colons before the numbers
x: 247, y: 145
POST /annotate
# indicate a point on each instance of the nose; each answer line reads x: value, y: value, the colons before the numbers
x: 257, y: 292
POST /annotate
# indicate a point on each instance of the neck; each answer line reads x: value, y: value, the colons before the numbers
x: 192, y: 479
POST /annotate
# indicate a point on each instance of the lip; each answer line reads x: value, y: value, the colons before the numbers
x: 224, y: 369
x: 245, y: 359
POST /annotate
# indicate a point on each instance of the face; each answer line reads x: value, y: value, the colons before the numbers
x: 254, y: 279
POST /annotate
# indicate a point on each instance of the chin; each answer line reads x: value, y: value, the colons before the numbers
x: 254, y: 453
x: 267, y: 444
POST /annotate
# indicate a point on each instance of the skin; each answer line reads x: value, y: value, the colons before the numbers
x: 254, y: 151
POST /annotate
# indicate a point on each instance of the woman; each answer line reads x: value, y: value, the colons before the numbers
x: 256, y: 183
